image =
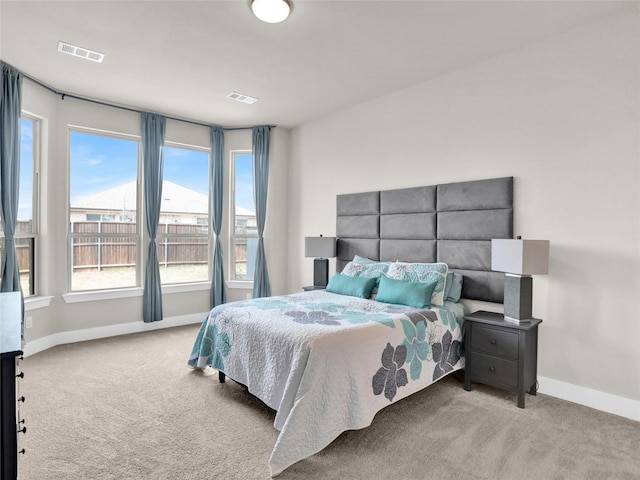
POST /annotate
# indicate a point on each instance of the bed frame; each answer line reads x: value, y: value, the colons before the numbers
x: 452, y: 223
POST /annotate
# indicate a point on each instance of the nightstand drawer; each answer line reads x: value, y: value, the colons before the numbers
x: 494, y: 341
x: 493, y: 369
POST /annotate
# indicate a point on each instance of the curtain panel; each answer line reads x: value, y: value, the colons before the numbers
x: 261, y: 287
x: 216, y: 194
x: 152, y: 132
x: 10, y: 112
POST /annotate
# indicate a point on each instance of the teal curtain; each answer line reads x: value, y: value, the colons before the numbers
x: 10, y: 109
x: 261, y: 287
x: 216, y: 194
x: 152, y: 129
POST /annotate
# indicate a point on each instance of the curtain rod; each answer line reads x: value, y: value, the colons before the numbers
x: 98, y: 102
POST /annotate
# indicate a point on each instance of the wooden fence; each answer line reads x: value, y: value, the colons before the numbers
x: 113, y: 244
x: 23, y: 246
x: 104, y: 251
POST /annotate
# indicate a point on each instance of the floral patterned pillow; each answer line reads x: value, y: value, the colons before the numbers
x: 363, y: 260
x: 369, y: 270
x: 422, y: 272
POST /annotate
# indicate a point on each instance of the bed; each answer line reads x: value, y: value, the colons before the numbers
x: 388, y: 325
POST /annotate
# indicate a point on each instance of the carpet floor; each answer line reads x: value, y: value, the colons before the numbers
x: 128, y: 407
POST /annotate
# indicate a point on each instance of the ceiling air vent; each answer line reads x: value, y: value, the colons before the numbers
x: 242, y: 98
x: 80, y: 52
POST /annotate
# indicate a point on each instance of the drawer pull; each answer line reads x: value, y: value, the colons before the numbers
x: 20, y: 375
x: 23, y: 430
x: 492, y: 341
x: 21, y: 399
x: 492, y: 368
x: 23, y: 451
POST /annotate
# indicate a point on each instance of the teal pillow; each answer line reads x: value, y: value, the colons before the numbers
x: 423, y: 273
x: 353, y: 286
x: 413, y: 294
x: 447, y: 285
x: 455, y: 292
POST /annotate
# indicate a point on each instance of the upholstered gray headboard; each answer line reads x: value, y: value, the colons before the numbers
x: 452, y: 223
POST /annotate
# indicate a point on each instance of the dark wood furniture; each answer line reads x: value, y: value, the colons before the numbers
x: 10, y: 351
x: 310, y: 288
x: 501, y: 353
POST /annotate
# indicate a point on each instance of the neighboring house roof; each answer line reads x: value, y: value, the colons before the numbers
x: 175, y: 199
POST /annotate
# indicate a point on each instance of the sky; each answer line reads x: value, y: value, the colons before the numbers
x: 100, y: 162
x: 25, y: 199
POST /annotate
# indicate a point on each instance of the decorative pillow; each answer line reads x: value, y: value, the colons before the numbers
x: 448, y: 284
x: 413, y: 294
x: 363, y: 260
x: 424, y: 273
x: 455, y: 289
x: 370, y: 270
x: 353, y: 286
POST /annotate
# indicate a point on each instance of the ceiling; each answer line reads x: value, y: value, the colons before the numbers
x: 181, y: 58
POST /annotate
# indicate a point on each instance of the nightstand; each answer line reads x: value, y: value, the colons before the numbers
x: 310, y: 288
x: 501, y: 353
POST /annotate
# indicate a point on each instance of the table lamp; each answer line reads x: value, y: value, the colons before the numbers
x: 322, y: 248
x: 519, y: 259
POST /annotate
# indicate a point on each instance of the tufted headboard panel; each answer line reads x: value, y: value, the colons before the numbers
x: 452, y: 223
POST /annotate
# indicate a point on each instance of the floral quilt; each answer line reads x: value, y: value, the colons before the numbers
x: 325, y: 362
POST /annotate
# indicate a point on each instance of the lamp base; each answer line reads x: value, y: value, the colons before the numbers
x: 518, y: 295
x: 320, y: 272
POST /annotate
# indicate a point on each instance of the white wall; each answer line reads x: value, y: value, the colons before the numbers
x: 562, y: 117
x: 60, y: 317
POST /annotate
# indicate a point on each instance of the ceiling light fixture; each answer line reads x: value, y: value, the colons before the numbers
x: 271, y: 11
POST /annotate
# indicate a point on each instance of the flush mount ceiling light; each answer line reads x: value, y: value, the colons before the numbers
x: 271, y: 11
x: 80, y: 52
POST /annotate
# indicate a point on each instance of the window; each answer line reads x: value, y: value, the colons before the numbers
x: 183, y: 231
x: 244, y: 238
x: 103, y: 211
x: 26, y: 226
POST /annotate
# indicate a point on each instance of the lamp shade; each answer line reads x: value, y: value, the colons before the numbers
x: 320, y: 247
x: 522, y: 257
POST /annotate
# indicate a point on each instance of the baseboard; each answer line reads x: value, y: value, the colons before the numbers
x: 62, y: 338
x: 595, y: 399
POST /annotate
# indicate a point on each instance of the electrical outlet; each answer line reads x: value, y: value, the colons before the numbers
x: 248, y: 296
x: 28, y: 322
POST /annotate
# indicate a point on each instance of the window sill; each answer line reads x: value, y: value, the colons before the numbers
x: 78, y: 297
x: 243, y: 284
x: 34, y: 303
x: 186, y: 287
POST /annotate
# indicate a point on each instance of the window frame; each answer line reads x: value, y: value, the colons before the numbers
x: 34, y: 234
x: 209, y: 235
x: 138, y: 236
x: 233, y: 281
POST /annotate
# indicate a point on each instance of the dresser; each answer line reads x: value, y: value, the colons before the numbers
x: 10, y: 351
x: 501, y: 353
